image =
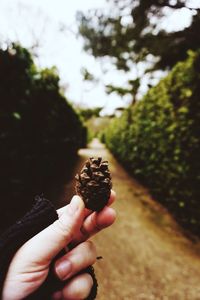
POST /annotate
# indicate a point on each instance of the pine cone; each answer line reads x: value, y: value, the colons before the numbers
x: 93, y: 184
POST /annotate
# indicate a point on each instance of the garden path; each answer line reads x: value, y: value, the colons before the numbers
x: 145, y: 255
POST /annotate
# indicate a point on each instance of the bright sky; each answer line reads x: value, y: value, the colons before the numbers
x: 51, y: 25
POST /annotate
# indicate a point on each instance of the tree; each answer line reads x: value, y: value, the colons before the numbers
x: 132, y: 89
x: 130, y: 33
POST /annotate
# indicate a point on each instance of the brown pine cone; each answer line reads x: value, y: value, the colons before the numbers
x: 93, y: 184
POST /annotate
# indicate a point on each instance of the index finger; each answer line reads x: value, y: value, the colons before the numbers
x: 88, y: 211
x: 95, y: 222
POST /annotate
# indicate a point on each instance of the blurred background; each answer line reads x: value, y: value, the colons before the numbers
x: 118, y: 79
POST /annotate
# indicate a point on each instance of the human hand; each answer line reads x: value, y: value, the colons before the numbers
x: 30, y: 266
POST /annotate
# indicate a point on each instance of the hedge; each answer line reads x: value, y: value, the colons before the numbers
x: 40, y: 133
x: 158, y: 140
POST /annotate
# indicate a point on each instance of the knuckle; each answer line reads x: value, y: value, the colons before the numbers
x: 63, y: 229
x: 89, y: 244
x: 87, y: 253
x: 91, y: 248
x: 95, y: 224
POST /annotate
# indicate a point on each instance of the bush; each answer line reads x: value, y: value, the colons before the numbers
x: 40, y: 133
x: 158, y: 140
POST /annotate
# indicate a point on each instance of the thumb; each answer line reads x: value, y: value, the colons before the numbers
x: 44, y: 246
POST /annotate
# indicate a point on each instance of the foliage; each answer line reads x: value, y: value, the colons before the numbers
x: 132, y: 89
x: 89, y: 117
x: 96, y: 126
x: 132, y: 35
x: 88, y: 113
x: 92, y: 121
x: 87, y: 76
x: 131, y: 31
x: 39, y: 131
x: 158, y: 140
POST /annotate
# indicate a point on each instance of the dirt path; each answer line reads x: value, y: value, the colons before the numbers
x: 145, y: 256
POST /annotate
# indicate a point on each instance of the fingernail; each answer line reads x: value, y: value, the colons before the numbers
x: 63, y: 269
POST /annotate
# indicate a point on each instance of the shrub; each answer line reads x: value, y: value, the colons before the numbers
x: 158, y: 140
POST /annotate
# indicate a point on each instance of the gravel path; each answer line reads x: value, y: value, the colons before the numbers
x: 145, y: 255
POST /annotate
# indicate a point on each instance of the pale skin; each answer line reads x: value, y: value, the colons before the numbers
x: 30, y: 265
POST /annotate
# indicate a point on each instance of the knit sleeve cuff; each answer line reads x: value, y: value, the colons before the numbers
x: 39, y: 217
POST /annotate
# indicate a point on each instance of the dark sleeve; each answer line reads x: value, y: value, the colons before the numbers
x: 40, y: 216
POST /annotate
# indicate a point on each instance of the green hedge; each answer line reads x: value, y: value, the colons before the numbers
x: 158, y: 140
x: 40, y: 133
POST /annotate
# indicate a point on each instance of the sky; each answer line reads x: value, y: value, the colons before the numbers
x: 50, y: 26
